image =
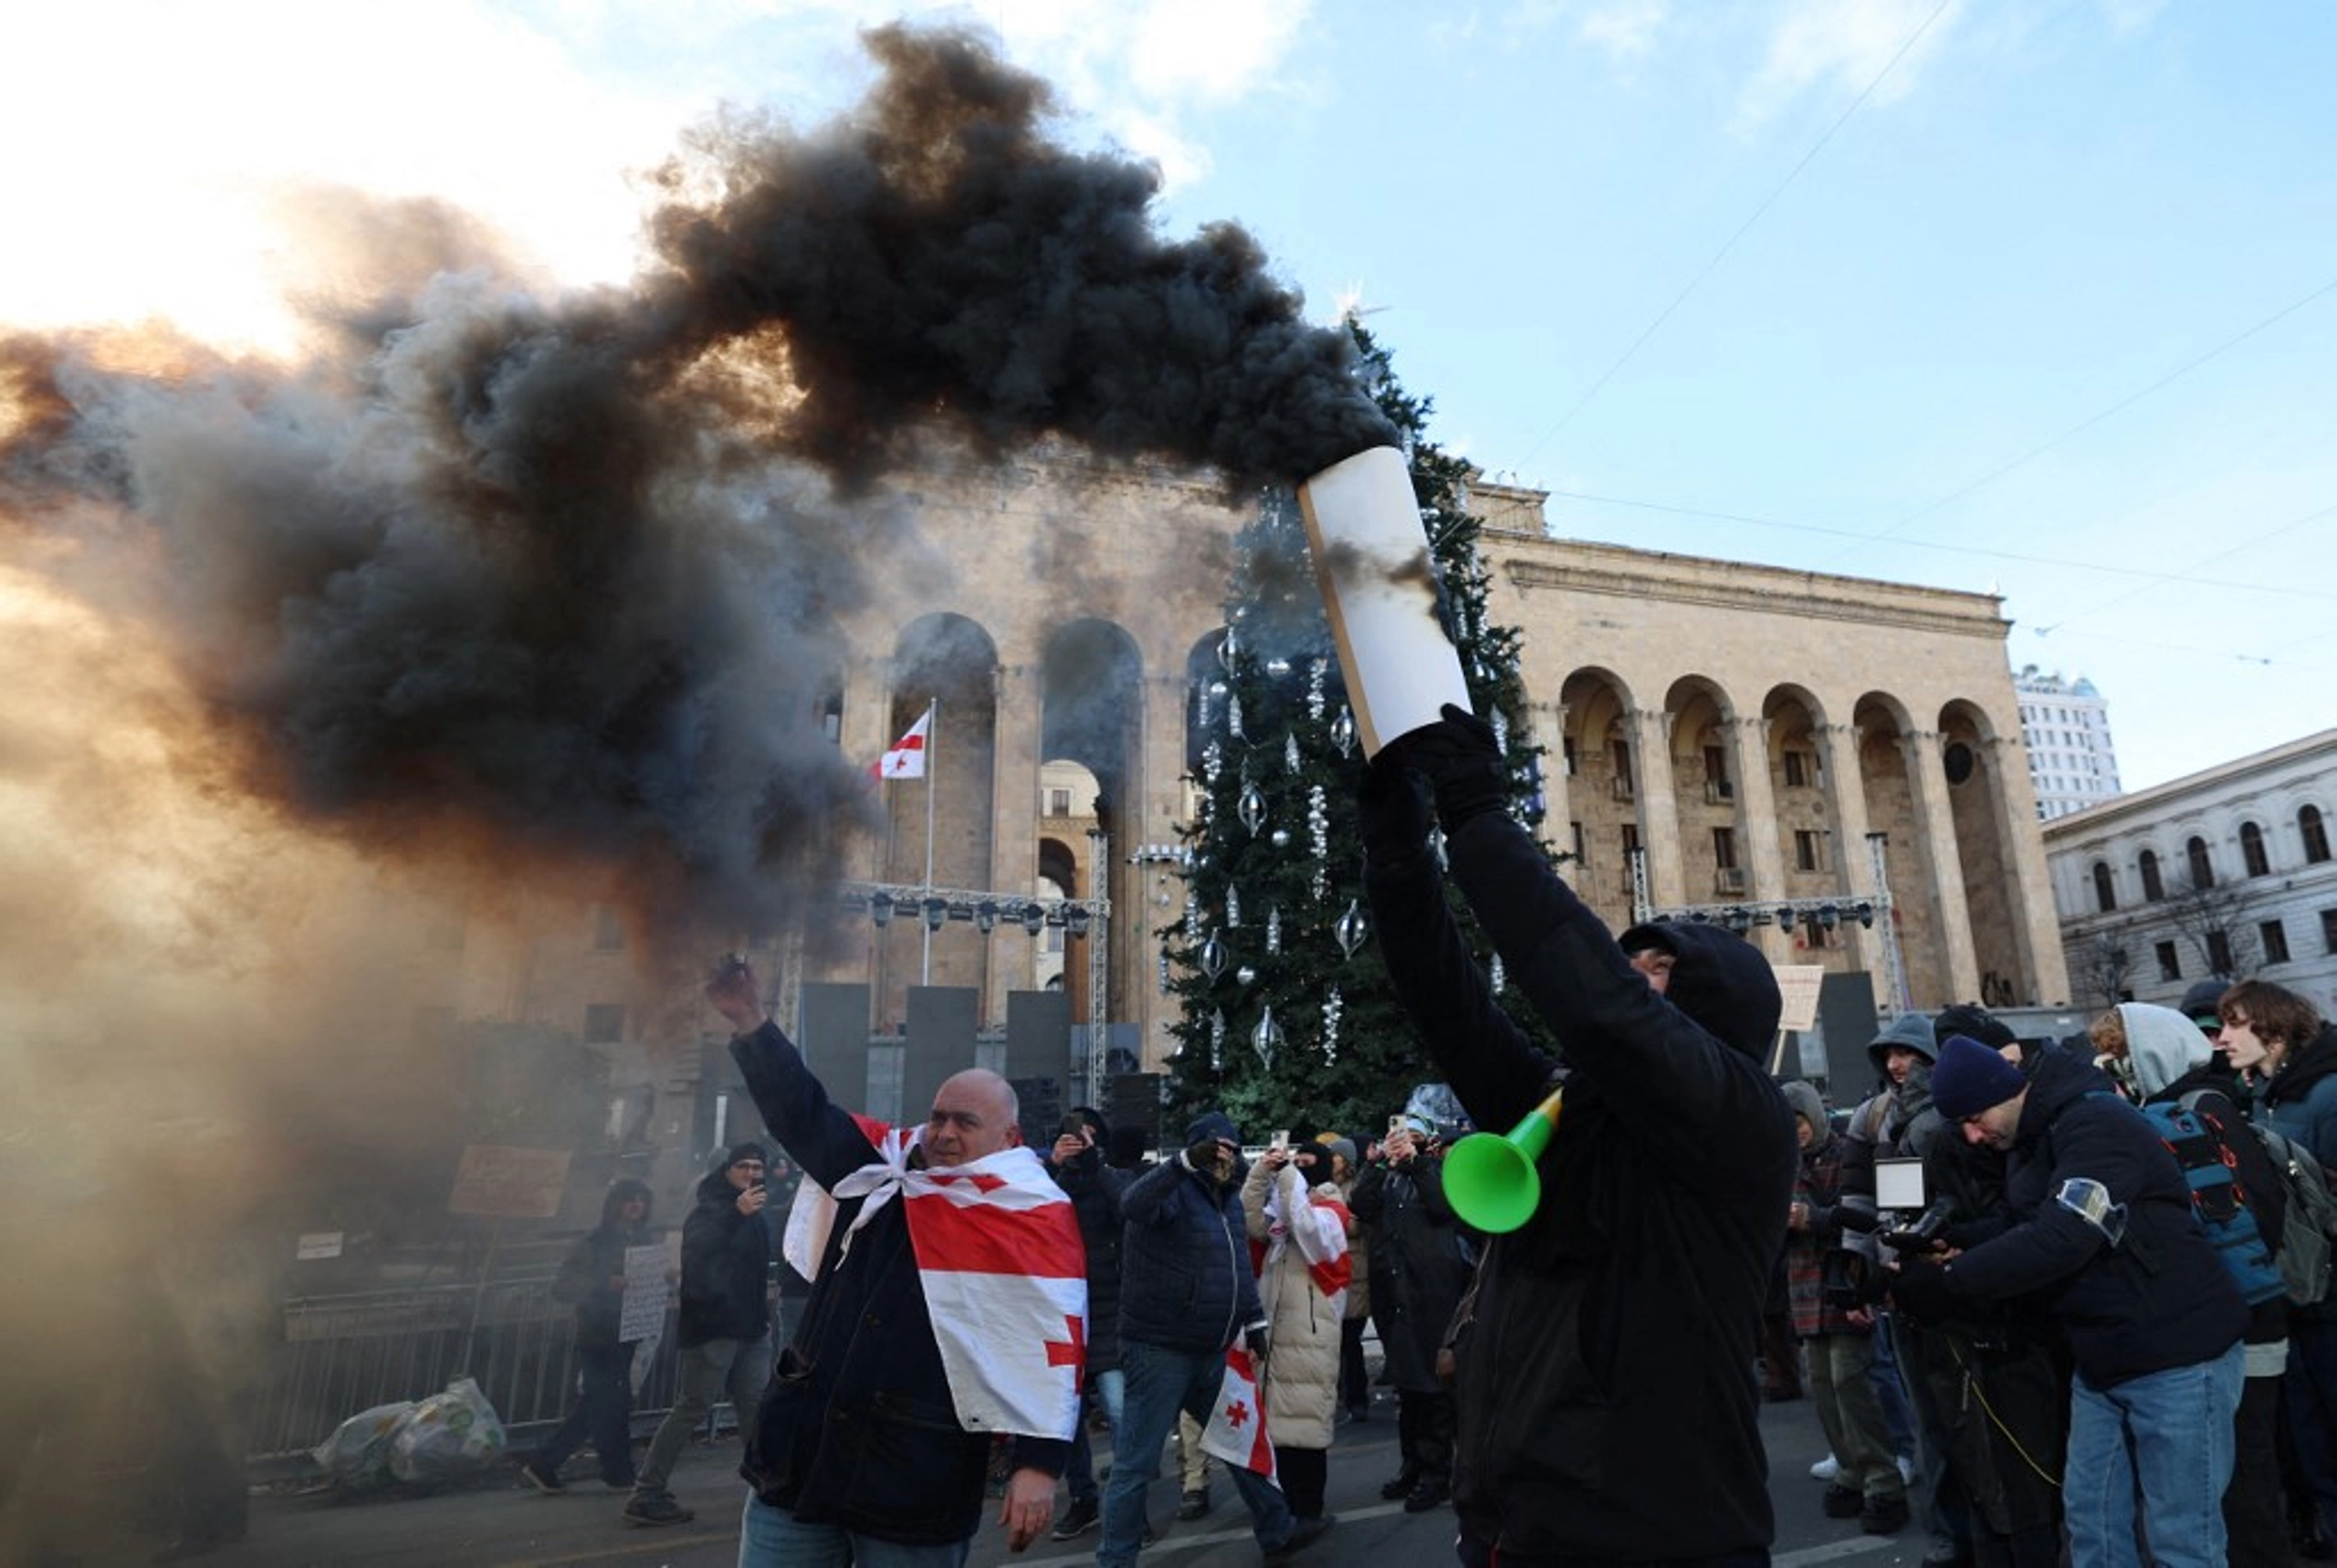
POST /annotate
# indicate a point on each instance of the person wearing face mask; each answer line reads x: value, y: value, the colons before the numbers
x: 2287, y: 1053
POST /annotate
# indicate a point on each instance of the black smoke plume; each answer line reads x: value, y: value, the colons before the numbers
x: 555, y: 579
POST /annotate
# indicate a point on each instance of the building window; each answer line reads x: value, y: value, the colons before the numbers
x: 2219, y: 953
x: 1716, y: 782
x: 1571, y: 756
x: 2153, y: 888
x: 603, y: 1022
x: 608, y: 930
x: 1621, y: 753
x: 2105, y: 896
x: 1805, y: 850
x: 2328, y: 930
x: 1797, y: 769
x: 2275, y: 937
x: 2203, y: 870
x: 1724, y: 847
x: 1814, y: 935
x: 2169, y: 967
x: 1058, y: 803
x: 2315, y: 833
x: 1581, y: 846
x: 2251, y: 851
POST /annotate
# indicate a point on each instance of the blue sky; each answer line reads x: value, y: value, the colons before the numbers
x: 2037, y: 296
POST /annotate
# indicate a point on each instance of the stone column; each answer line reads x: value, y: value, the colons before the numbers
x: 2038, y: 932
x: 1014, y: 830
x: 1846, y: 851
x: 1658, y: 808
x: 1756, y: 804
x: 1936, y: 821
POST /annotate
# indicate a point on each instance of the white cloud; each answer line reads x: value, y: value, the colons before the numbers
x: 1842, y: 46
x: 1625, y: 27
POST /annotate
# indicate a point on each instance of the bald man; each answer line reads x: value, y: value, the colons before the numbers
x: 858, y: 1455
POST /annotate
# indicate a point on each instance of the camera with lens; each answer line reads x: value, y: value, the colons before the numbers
x: 1925, y: 1234
x: 1848, y: 1279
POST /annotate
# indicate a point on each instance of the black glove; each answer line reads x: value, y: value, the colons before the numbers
x: 1464, y: 763
x: 1257, y: 1340
x: 1202, y: 1158
x: 1923, y: 1290
x: 1392, y: 809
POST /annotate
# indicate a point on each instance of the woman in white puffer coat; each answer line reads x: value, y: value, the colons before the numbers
x: 1299, y: 1239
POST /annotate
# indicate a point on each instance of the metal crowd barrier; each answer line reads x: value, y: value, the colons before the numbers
x: 342, y: 1354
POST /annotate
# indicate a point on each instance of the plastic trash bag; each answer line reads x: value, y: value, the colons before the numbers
x: 357, y: 1455
x: 448, y: 1435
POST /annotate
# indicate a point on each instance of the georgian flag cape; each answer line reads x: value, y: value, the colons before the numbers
x: 1005, y: 1274
x: 1319, y: 1231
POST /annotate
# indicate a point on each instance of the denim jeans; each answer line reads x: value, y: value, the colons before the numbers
x: 1161, y: 1381
x: 2167, y: 1436
x: 602, y: 1412
x: 740, y: 1366
x: 774, y: 1538
x: 1108, y: 1389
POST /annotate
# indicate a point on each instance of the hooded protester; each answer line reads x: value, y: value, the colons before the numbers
x: 1421, y: 1259
x: 1608, y: 1407
x: 2157, y: 1055
x: 724, y: 1325
x: 1838, y: 1327
x: 2280, y: 1042
x: 2102, y: 1235
x: 593, y: 1278
x: 1076, y: 1161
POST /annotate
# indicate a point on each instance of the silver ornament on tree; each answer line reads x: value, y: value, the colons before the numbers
x: 1501, y: 731
x: 1217, y: 1041
x: 1273, y: 929
x: 1228, y: 646
x: 1500, y: 974
x: 1314, y: 672
x: 1266, y: 1039
x: 1251, y: 807
x: 1291, y: 760
x: 1212, y: 762
x: 1277, y: 666
x: 1343, y: 731
x: 1246, y: 976
x: 1214, y: 957
x: 1233, y: 717
x: 1164, y: 971
x: 1351, y: 929
x: 1279, y: 838
x: 1232, y: 909
x: 1333, y: 1006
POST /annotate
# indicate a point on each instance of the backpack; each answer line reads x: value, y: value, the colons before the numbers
x: 2217, y: 1201
x: 2311, y: 1221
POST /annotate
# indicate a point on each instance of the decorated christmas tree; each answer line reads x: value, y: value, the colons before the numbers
x: 1287, y: 1018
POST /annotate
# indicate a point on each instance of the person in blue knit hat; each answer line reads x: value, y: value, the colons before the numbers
x: 2101, y: 1231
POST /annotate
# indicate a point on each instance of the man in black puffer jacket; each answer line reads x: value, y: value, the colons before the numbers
x: 2103, y: 1237
x: 724, y: 1327
x: 1608, y: 1410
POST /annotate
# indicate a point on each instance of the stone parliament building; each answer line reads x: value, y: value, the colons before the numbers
x: 1759, y: 742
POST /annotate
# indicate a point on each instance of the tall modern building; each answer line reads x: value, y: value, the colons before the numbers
x: 2073, y: 763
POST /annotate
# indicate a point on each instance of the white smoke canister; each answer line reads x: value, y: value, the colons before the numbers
x: 1379, y: 584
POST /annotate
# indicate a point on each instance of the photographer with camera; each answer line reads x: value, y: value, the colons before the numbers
x: 1826, y: 1268
x: 724, y: 1325
x: 2103, y: 1234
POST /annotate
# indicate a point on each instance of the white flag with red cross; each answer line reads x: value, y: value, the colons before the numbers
x: 1236, y: 1432
x: 907, y: 758
x: 1005, y: 1275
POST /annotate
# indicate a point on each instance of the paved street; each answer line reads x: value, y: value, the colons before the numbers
x: 500, y: 1527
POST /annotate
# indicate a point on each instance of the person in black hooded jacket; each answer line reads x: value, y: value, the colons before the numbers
x: 724, y: 1325
x: 591, y: 1277
x: 1608, y: 1407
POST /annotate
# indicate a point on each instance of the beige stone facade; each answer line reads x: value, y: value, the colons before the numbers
x: 1749, y: 727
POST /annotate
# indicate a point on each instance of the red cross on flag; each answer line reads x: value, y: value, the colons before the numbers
x: 1004, y: 1269
x: 907, y: 758
x: 1236, y: 1432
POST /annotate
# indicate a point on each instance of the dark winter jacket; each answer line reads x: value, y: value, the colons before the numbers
x: 1186, y: 1283
x: 590, y: 1275
x: 2299, y: 1102
x: 2159, y: 1298
x: 1608, y: 1405
x: 858, y: 1428
x: 1818, y: 1187
x: 725, y: 1266
x: 1094, y: 1189
x: 1420, y: 1259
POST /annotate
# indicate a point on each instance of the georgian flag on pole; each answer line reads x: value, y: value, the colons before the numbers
x: 1005, y: 1275
x: 1236, y: 1432
x: 907, y: 758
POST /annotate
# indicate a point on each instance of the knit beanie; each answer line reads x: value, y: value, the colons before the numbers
x: 746, y: 1151
x: 1973, y: 1022
x: 1968, y: 1078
